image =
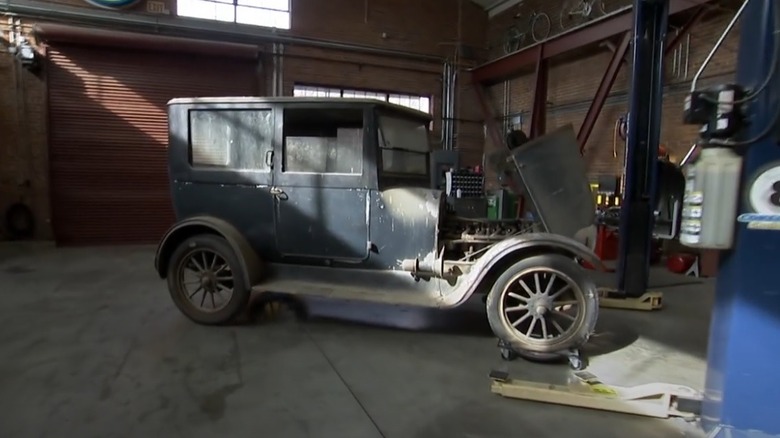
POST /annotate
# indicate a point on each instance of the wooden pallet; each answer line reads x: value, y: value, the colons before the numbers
x: 610, y: 299
x: 659, y: 400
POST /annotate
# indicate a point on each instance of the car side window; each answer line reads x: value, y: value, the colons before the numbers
x: 325, y: 141
x: 231, y: 139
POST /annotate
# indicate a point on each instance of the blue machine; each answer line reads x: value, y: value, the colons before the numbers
x: 643, y: 136
x: 742, y: 394
x: 743, y: 378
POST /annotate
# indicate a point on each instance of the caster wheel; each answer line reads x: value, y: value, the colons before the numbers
x: 508, y: 354
x: 576, y: 363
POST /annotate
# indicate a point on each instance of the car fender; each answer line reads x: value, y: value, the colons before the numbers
x: 502, y: 254
x: 250, y: 261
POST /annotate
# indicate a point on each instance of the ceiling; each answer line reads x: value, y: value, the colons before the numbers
x: 496, y: 6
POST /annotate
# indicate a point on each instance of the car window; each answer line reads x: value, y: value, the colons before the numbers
x: 404, y: 145
x: 231, y: 139
x: 323, y: 141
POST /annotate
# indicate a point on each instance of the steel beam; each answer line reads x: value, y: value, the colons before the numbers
x: 613, y: 68
x: 513, y: 64
x: 539, y: 110
x: 184, y: 27
x: 651, y: 23
x: 695, y: 18
x: 603, y: 91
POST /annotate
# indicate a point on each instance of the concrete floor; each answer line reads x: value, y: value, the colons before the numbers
x: 92, y: 346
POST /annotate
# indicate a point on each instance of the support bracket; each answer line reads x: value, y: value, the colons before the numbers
x: 658, y: 400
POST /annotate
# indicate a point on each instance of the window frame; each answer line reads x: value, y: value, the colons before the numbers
x: 387, y: 94
x: 203, y: 167
x: 328, y: 180
x: 235, y: 6
x: 217, y: 175
x: 386, y: 178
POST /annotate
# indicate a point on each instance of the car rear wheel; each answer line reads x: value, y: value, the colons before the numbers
x: 543, y: 306
x: 206, y: 280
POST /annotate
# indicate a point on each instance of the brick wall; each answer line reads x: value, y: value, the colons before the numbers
x: 23, y: 148
x: 573, y: 82
x: 434, y: 27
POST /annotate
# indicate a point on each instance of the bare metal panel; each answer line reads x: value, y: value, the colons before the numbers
x: 555, y: 178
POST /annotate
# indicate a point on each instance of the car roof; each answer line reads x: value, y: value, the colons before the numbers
x: 297, y: 99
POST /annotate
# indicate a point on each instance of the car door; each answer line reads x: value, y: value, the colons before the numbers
x: 320, y: 183
x: 221, y: 164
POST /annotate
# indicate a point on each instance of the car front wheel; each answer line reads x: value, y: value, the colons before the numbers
x: 206, y: 280
x: 542, y: 306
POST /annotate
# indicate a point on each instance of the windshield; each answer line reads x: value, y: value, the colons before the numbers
x: 404, y: 145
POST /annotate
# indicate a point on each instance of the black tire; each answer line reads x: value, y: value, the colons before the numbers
x: 541, y: 26
x: 241, y: 292
x: 508, y: 355
x: 579, y: 289
x: 19, y: 221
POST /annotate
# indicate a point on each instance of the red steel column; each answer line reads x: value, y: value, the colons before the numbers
x: 603, y: 91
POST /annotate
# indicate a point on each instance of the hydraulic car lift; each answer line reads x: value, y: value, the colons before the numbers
x: 743, y: 386
x: 742, y: 390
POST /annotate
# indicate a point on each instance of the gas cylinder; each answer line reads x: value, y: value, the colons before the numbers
x: 711, y: 199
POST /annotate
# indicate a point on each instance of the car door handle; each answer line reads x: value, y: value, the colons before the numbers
x: 278, y: 193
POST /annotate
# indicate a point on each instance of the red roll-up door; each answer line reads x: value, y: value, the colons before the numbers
x: 108, y: 134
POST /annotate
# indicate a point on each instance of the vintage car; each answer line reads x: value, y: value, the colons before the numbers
x: 332, y: 197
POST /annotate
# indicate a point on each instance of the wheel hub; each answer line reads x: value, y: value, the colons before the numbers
x: 208, y: 281
x: 539, y: 305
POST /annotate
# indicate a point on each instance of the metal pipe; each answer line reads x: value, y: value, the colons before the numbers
x: 718, y: 44
x: 450, y: 143
x: 446, y: 106
x: 443, y: 106
x: 453, y: 107
x: 675, y: 66
x: 692, y: 152
x: 453, y: 76
x: 275, y: 70
x: 678, y: 53
x: 506, y: 106
x: 687, y: 56
x: 38, y: 9
x: 280, y: 76
x: 444, y: 91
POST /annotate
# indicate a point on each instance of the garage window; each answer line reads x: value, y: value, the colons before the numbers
x: 324, y: 141
x: 421, y: 103
x: 231, y: 139
x: 266, y: 13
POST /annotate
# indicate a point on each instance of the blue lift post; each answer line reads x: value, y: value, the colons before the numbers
x: 651, y: 19
x: 743, y: 377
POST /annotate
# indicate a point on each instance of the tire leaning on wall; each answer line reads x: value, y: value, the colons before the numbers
x: 19, y: 222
